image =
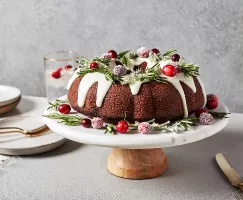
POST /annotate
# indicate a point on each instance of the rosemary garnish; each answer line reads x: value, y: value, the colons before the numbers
x: 189, y: 69
x: 110, y: 128
x: 132, y: 55
x: 55, y: 104
x: 120, y: 55
x: 219, y: 115
x: 70, y: 120
x: 177, y: 126
x: 169, y: 53
x: 102, y: 62
x: 83, y: 62
x: 125, y: 61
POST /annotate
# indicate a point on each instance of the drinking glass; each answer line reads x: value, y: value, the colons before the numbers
x: 59, y: 68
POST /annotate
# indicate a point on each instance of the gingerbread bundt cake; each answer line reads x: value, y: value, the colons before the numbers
x: 141, y: 86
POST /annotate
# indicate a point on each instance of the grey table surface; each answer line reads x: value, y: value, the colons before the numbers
x: 78, y: 171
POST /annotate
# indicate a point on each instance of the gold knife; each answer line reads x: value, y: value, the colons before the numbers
x: 229, y: 172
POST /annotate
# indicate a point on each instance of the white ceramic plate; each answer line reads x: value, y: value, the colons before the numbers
x: 8, y: 95
x: 19, y: 144
x: 136, y: 140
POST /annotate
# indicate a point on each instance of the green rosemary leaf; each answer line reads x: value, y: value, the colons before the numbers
x: 70, y: 120
x: 189, y: 69
x: 170, y: 52
x: 124, y: 60
x: 120, y: 55
x: 110, y: 128
x: 219, y: 115
x: 132, y: 55
x: 55, y: 104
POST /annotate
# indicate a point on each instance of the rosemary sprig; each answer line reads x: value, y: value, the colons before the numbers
x: 120, y: 55
x: 83, y: 62
x: 189, y: 69
x: 56, y: 103
x: 70, y: 120
x: 102, y: 62
x: 219, y: 115
x: 169, y: 53
x: 132, y: 55
x: 108, y: 74
x: 125, y: 61
x: 110, y: 128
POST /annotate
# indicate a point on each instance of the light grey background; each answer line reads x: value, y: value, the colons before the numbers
x: 209, y: 33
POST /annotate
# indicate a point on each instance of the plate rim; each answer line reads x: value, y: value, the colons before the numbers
x: 12, y: 100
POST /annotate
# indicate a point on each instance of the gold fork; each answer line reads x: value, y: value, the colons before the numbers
x: 30, y: 133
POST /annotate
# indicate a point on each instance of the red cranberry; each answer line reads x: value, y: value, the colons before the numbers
x: 169, y: 70
x: 64, y: 108
x: 154, y: 50
x: 175, y: 57
x: 56, y: 74
x: 112, y: 53
x: 85, y: 122
x: 93, y: 65
x: 68, y: 67
x: 199, y: 111
x: 212, y: 101
x: 122, y: 126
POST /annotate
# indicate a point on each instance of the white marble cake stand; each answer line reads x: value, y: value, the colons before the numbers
x: 135, y: 155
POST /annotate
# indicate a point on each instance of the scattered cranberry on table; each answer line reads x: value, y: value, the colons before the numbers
x: 67, y: 67
x: 175, y: 57
x: 93, y: 65
x: 112, y: 53
x: 155, y: 51
x: 169, y: 70
x: 199, y: 111
x: 64, y: 108
x: 122, y: 126
x: 86, y: 122
x: 212, y: 101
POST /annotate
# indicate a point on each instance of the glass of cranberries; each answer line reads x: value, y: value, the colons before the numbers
x: 59, y: 67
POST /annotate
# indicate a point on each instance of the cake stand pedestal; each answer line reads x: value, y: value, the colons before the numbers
x: 137, y: 163
x: 135, y: 155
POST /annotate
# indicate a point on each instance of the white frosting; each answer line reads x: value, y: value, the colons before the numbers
x: 85, y: 84
x: 103, y: 85
x: 72, y: 79
x: 135, y: 87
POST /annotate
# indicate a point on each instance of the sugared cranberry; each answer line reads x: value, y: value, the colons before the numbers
x: 56, y: 74
x: 175, y: 57
x: 64, y: 108
x: 212, y: 101
x: 93, y: 65
x: 169, y: 70
x: 85, y: 122
x: 68, y: 67
x: 199, y: 111
x: 112, y: 53
x: 122, y: 126
x: 155, y: 51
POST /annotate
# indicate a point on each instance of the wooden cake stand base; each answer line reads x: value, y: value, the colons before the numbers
x: 137, y: 163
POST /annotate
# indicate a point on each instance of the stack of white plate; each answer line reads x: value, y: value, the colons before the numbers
x: 9, y: 98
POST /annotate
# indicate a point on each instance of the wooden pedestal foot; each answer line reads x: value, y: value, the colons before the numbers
x: 137, y: 163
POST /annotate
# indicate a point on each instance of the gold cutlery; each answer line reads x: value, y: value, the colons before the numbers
x: 30, y: 133
x: 229, y: 172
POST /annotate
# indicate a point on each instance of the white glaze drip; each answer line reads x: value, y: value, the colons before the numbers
x: 72, y: 79
x: 135, y: 87
x: 203, y: 90
x: 85, y: 84
x: 175, y: 81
